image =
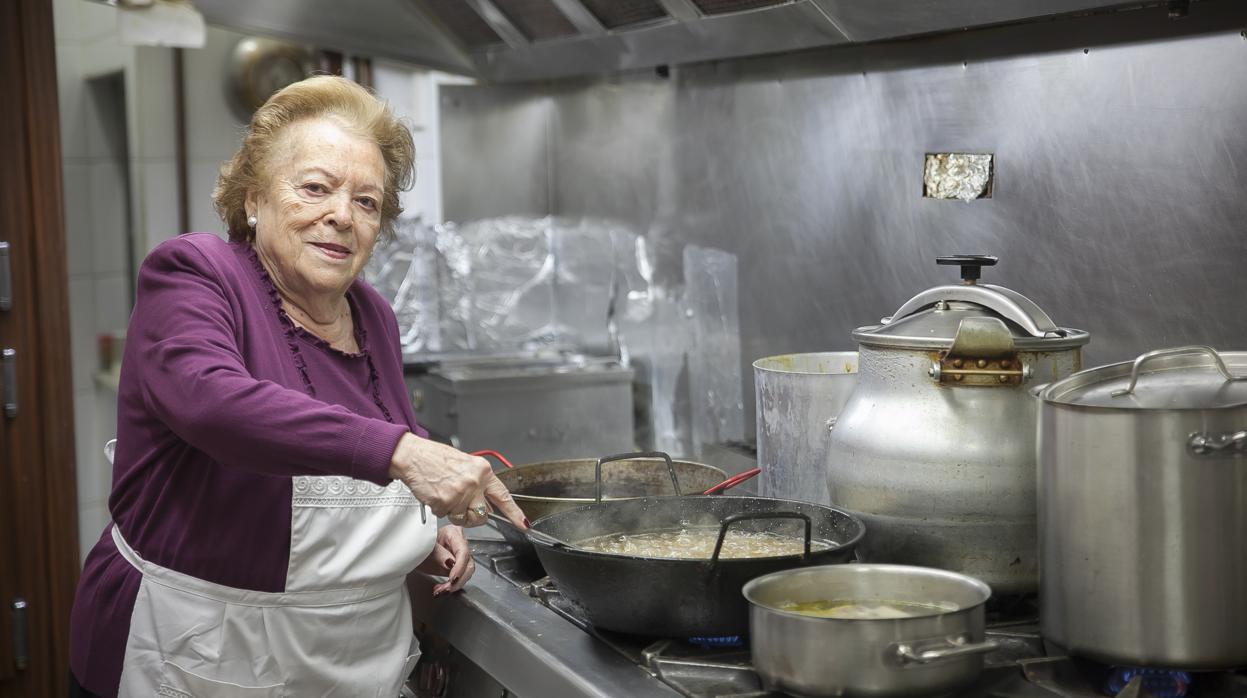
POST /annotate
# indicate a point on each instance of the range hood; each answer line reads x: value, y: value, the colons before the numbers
x: 518, y: 40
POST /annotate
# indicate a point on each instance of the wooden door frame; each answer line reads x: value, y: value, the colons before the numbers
x: 37, y: 470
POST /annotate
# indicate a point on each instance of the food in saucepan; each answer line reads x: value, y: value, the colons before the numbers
x: 697, y: 542
x: 865, y: 609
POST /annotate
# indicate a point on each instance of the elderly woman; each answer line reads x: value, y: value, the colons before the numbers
x: 271, y: 488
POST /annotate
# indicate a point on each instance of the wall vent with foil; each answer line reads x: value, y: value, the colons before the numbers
x: 615, y: 14
x: 537, y: 20
x: 721, y: 7
x: 464, y: 23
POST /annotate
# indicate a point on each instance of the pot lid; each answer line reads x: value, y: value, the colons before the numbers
x: 1183, y: 378
x: 1000, y: 316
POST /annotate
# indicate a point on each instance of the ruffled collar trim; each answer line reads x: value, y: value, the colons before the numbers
x: 295, y: 335
x: 292, y: 328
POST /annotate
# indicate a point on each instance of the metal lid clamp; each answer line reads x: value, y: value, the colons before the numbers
x: 1007, y: 303
x: 980, y: 332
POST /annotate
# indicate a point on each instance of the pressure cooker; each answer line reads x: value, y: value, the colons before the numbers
x: 935, y: 450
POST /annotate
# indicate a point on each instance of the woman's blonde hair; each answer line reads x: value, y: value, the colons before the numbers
x: 321, y: 96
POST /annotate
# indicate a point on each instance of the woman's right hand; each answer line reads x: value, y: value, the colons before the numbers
x: 452, y: 482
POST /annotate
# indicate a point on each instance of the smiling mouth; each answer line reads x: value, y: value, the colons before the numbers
x: 333, y: 250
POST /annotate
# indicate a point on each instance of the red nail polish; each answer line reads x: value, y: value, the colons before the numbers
x: 450, y: 564
x: 454, y: 580
x: 526, y: 524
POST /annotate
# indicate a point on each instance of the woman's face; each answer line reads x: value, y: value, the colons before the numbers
x: 319, y: 213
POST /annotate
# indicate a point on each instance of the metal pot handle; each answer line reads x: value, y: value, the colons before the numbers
x: 1206, y: 444
x: 1194, y: 348
x: 727, y: 522
x: 953, y: 647
x: 597, y: 473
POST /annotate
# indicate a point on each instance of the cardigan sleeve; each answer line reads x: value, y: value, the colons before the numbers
x: 194, y: 380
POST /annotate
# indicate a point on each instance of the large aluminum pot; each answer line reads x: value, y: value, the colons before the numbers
x: 798, y: 399
x: 1143, y: 510
x: 935, y: 449
x: 924, y: 655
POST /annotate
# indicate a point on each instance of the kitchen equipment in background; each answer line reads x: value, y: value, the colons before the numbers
x: 258, y: 67
x: 681, y: 597
x: 536, y: 408
x: 935, y: 449
x: 798, y: 399
x: 1143, y: 510
x: 929, y: 654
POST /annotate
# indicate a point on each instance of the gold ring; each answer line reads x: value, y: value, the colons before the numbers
x: 480, y: 510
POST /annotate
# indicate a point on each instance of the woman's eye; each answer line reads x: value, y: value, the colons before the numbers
x: 367, y: 203
x: 314, y: 188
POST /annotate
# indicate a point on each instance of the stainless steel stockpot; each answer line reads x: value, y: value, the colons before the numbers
x: 1143, y: 510
x: 798, y: 398
x: 935, y: 450
x: 811, y: 657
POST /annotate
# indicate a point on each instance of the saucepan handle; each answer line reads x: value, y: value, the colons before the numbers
x: 597, y: 473
x: 733, y: 481
x: 1193, y: 349
x: 500, y: 458
x: 945, y: 649
x: 734, y: 518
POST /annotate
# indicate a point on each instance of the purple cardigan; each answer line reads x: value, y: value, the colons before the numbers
x: 222, y: 399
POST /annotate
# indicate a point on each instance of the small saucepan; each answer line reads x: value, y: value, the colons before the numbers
x: 895, y: 630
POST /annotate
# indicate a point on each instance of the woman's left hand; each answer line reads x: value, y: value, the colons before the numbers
x: 450, y: 558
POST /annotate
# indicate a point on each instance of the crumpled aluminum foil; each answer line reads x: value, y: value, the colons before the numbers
x: 961, y: 176
x: 511, y: 283
x: 515, y: 283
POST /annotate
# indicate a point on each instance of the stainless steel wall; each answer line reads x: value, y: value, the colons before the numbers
x: 1119, y: 204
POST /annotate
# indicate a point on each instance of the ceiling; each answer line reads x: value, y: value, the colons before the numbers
x: 519, y: 40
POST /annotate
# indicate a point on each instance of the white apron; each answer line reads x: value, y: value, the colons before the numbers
x: 341, y: 628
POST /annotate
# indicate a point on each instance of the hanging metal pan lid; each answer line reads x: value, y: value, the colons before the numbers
x: 1182, y: 378
x: 932, y: 319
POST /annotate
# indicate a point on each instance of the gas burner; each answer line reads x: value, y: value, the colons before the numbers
x: 1021, y: 667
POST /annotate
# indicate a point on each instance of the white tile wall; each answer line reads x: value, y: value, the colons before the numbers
x: 203, y: 176
x: 70, y: 98
x: 216, y: 130
x: 82, y: 331
x: 76, y: 180
x: 92, y: 488
x: 112, y: 302
x: 157, y: 180
x: 108, y: 216
x: 154, y: 110
x: 92, y: 518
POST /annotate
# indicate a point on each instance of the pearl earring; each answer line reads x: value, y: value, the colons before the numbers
x: 251, y: 221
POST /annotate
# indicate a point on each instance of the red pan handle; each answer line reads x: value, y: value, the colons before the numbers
x: 733, y: 481
x: 501, y: 458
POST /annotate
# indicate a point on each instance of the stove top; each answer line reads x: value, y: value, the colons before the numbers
x: 1022, y: 667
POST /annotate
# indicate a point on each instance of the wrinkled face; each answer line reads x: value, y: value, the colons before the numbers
x: 319, y: 213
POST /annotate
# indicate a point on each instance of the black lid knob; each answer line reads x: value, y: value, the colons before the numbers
x: 971, y: 264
